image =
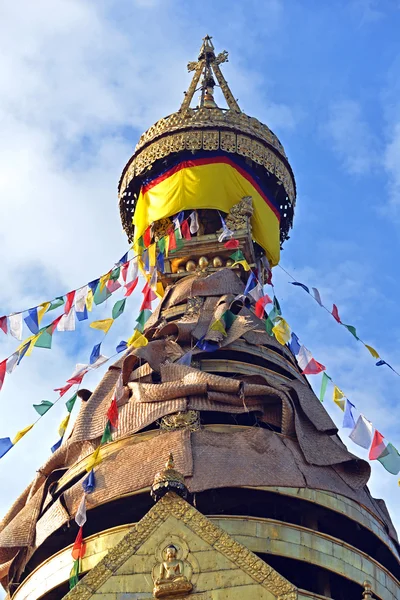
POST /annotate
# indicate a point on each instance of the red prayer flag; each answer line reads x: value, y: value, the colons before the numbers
x: 54, y: 323
x: 232, y: 244
x: 77, y: 378
x: 335, y: 313
x: 3, y: 366
x: 79, y: 548
x: 3, y: 324
x: 377, y: 446
x: 112, y: 413
x: 148, y: 297
x: 130, y: 287
x: 172, y: 240
x: 313, y: 368
x: 147, y: 237
x: 64, y: 390
x: 124, y: 270
x: 185, y: 230
x: 69, y: 302
x: 261, y: 304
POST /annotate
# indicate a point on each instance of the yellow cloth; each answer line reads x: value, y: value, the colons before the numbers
x: 372, y: 351
x: 166, y: 246
x: 21, y: 434
x: 94, y: 460
x: 63, y: 426
x: 89, y: 300
x: 215, y: 186
x: 281, y: 332
x: 42, y: 309
x: 337, y: 397
x: 137, y: 340
x: 103, y: 280
x: 152, y: 255
x: 217, y: 326
x: 160, y: 289
x: 244, y: 264
x: 103, y: 325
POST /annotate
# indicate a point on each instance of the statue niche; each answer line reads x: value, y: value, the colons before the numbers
x: 169, y: 577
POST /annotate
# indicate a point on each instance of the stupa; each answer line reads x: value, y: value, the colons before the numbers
x: 225, y: 477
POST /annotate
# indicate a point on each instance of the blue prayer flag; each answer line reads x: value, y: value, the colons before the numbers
x: 89, y: 483
x: 32, y: 320
x: 82, y: 316
x: 5, y: 445
x: 93, y: 284
x: 294, y: 344
x: 56, y: 445
x: 121, y: 346
x: 95, y: 353
x: 348, y: 419
x: 251, y: 283
x: 300, y: 285
x: 123, y: 259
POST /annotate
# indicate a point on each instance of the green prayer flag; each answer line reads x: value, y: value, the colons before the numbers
x: 71, y: 403
x: 45, y: 338
x: 100, y: 296
x: 268, y: 326
x: 106, y: 437
x: 43, y: 407
x: 161, y: 245
x: 352, y: 330
x: 142, y: 318
x: 237, y: 256
x: 277, y: 306
x: 229, y: 318
x: 140, y: 242
x: 74, y: 574
x: 118, y: 308
x: 179, y: 242
x: 56, y: 303
x: 115, y: 273
x: 324, y: 383
x: 390, y: 459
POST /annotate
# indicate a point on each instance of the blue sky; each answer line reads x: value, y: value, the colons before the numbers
x: 80, y: 80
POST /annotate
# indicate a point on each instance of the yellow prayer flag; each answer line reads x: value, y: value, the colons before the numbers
x: 137, y: 340
x: 103, y: 280
x: 42, y: 310
x: 166, y: 245
x: 218, y: 326
x: 281, y: 332
x: 160, y: 289
x: 63, y: 426
x: 94, y: 460
x: 103, y: 324
x: 32, y: 343
x: 372, y: 351
x: 21, y: 434
x: 141, y: 265
x: 89, y: 300
x: 244, y: 264
x: 152, y: 255
x: 337, y: 397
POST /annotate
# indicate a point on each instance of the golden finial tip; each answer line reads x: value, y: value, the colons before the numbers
x: 170, y: 464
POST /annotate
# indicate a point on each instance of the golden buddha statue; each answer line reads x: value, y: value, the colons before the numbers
x: 171, y: 580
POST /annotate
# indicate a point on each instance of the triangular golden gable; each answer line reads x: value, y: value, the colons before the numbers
x: 217, y: 564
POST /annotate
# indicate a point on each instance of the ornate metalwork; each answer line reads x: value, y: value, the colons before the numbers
x: 168, y: 480
x: 172, y: 576
x: 240, y: 214
x: 188, y: 419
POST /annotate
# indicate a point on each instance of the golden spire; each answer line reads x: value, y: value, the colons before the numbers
x: 168, y: 480
x: 206, y: 66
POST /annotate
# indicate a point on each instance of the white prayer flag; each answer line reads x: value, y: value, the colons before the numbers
x: 317, y: 296
x: 80, y: 517
x: 99, y: 361
x: 67, y: 322
x: 12, y: 362
x: 194, y: 222
x: 119, y: 389
x: 80, y: 299
x: 303, y: 358
x: 257, y: 292
x: 80, y: 368
x: 15, y: 325
x: 362, y: 432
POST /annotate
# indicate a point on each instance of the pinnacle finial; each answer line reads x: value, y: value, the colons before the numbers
x: 367, y: 593
x: 168, y: 480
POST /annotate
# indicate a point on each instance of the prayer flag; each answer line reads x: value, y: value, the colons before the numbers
x: 56, y: 445
x: 257, y: 292
x: 80, y: 517
x: 82, y: 316
x: 160, y: 262
x: 142, y: 319
x: 338, y: 397
x: 69, y: 302
x: 152, y: 255
x: 3, y: 370
x: 352, y: 330
x: 101, y: 295
x: 124, y: 271
x: 232, y: 244
x: 207, y: 346
x: 103, y: 281
x: 362, y: 432
x: 251, y: 283
x: 123, y: 259
x: 390, y: 459
x: 64, y: 390
x: 147, y: 237
x: 63, y: 426
x: 43, y: 407
x: 89, y: 483
x: 94, y: 460
x: 5, y: 445
x: 3, y: 324
x: 229, y: 318
x: 226, y: 232
x: 186, y: 230
x: 45, y: 338
x: 67, y: 321
x: 12, y: 362
x: 313, y: 368
x: 118, y: 308
x: 277, y: 306
x: 294, y: 345
x: 107, y: 436
x: 172, y: 241
x: 161, y: 244
x: 186, y: 359
x: 305, y: 288
x: 348, y: 419
x: 137, y: 340
x: 93, y: 284
x: 324, y: 384
x: 80, y: 298
x: 31, y: 320
x: 281, y: 331
x: 100, y: 360
x: 102, y: 325
x: 71, y: 402
x: 372, y: 351
x: 79, y: 547
x: 317, y: 296
x: 377, y: 447
x: 56, y: 303
x: 383, y: 362
x: 74, y: 575
x: 303, y: 357
x: 23, y: 351
x: 218, y: 326
x: 89, y: 300
x: 15, y: 323
x: 121, y: 346
x: 335, y: 313
x: 194, y: 222
x: 244, y: 264
x: 112, y: 285
x: 21, y: 433
x: 269, y: 325
x: 95, y: 353
x: 130, y: 287
x: 261, y: 304
x: 112, y: 413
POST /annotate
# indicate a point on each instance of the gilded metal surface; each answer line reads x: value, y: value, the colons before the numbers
x: 188, y: 419
x: 172, y: 514
x: 172, y: 576
x: 240, y: 214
